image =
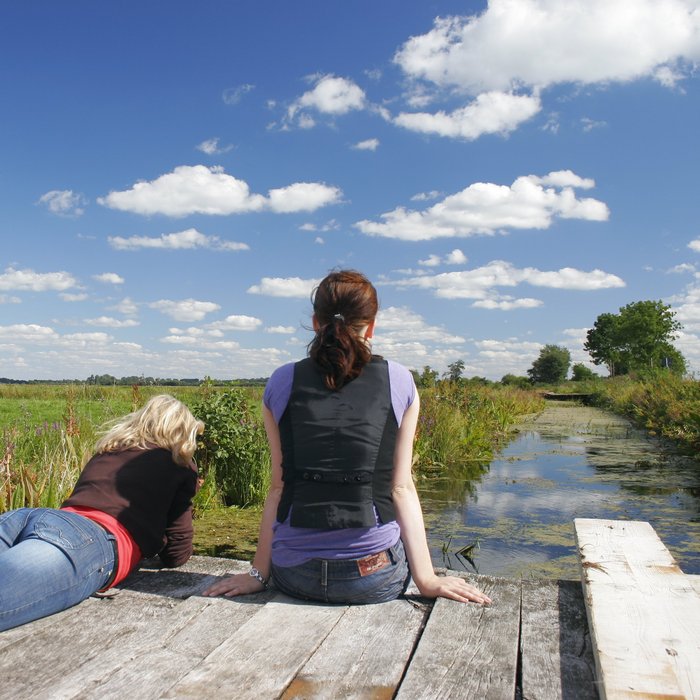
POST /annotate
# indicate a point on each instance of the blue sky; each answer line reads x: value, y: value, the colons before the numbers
x: 175, y: 178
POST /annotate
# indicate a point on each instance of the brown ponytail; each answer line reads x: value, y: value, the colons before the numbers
x: 344, y: 303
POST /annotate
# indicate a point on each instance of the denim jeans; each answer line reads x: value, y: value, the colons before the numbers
x: 50, y: 560
x: 340, y: 581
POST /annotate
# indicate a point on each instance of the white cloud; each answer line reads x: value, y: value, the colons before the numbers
x: 479, y: 283
x: 483, y: 208
x: 330, y: 95
x: 682, y: 269
x: 281, y: 330
x: 456, y: 257
x: 507, y: 303
x: 233, y: 95
x: 27, y: 332
x: 198, y: 189
x: 424, y: 196
x: 66, y: 296
x: 400, y: 324
x: 182, y: 240
x: 126, y: 306
x: 489, y: 113
x: 302, y: 196
x: 695, y: 245
x: 294, y: 287
x: 212, y: 148
x: 538, y: 43
x: 185, y: 310
x: 28, y: 280
x: 64, y: 202
x: 5, y: 299
x: 109, y: 278
x: 236, y: 323
x: 367, y: 145
x: 110, y: 322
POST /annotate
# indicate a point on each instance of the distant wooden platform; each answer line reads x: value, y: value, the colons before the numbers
x: 157, y: 638
x: 554, y: 396
x: 643, y: 611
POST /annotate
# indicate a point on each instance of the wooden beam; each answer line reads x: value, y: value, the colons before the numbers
x: 643, y: 612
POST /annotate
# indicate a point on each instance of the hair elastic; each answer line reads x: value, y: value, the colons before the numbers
x: 339, y: 316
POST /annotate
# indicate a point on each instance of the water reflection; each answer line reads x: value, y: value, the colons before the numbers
x: 516, y: 514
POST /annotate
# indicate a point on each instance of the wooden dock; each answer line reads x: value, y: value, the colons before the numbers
x: 158, y: 638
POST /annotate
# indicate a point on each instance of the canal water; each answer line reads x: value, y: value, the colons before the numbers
x: 514, y: 516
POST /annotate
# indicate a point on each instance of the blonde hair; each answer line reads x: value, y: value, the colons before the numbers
x: 163, y: 421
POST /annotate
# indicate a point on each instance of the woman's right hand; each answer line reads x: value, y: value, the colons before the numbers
x: 454, y: 588
x: 238, y: 584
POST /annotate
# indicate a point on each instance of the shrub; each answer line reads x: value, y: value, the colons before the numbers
x: 232, y: 455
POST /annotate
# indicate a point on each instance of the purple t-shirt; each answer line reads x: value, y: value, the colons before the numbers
x: 296, y: 545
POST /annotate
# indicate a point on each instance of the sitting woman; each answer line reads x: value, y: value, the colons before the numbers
x: 133, y: 499
x: 342, y: 522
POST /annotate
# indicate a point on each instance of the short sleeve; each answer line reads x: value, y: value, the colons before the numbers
x: 403, y: 389
x: 278, y: 390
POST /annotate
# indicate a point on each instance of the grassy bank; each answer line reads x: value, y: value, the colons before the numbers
x: 47, y: 433
x: 665, y: 405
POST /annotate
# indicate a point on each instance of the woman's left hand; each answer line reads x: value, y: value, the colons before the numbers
x: 238, y: 584
x: 454, y: 588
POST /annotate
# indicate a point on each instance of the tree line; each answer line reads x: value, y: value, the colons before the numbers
x: 638, y: 339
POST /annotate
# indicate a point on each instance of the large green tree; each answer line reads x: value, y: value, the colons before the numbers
x: 637, y: 338
x: 552, y: 365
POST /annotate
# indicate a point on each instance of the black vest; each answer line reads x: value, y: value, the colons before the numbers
x: 338, y: 449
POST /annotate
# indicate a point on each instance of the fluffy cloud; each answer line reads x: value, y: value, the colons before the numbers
x: 330, y: 95
x: 182, y: 240
x: 538, y: 43
x: 367, y: 145
x: 281, y: 330
x: 400, y: 324
x: 185, y: 310
x: 109, y: 322
x: 109, y: 278
x: 480, y: 283
x: 294, y: 287
x: 212, y: 148
x: 233, y: 95
x: 489, y: 113
x: 28, y: 280
x: 483, y: 208
x: 456, y: 257
x: 302, y: 196
x: 236, y: 323
x: 64, y: 202
x: 198, y: 189
x: 695, y: 245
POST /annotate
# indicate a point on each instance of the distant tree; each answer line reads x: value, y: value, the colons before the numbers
x: 428, y: 377
x: 454, y: 370
x: 552, y: 365
x: 581, y: 373
x: 638, y: 338
x: 515, y: 380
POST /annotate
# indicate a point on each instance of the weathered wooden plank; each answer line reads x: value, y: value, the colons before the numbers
x: 364, y: 656
x: 468, y: 650
x: 694, y: 582
x: 556, y: 654
x: 262, y: 658
x: 643, y: 612
x: 33, y: 666
x: 98, y: 643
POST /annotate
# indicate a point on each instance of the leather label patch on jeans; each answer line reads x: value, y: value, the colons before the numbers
x: 374, y: 562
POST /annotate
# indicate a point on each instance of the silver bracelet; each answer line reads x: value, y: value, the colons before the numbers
x: 257, y: 576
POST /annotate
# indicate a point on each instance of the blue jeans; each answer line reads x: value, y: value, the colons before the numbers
x: 50, y: 560
x: 341, y: 580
